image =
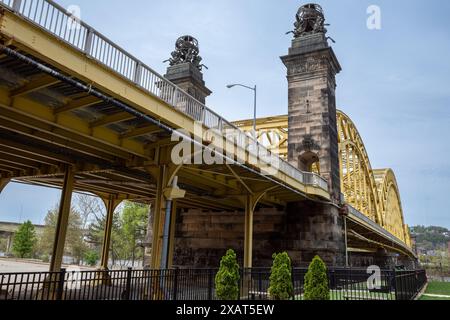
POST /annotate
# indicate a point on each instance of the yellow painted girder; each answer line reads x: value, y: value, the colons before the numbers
x: 112, y: 119
x: 37, y: 84
x: 48, y: 48
x: 78, y: 104
x: 134, y: 133
x: 44, y: 117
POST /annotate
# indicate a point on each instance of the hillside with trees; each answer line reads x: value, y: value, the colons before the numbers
x: 431, y: 238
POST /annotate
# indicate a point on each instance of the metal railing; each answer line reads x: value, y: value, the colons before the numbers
x: 199, y: 284
x: 409, y: 284
x: 56, y: 20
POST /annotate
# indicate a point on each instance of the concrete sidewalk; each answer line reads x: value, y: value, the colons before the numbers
x: 18, y: 266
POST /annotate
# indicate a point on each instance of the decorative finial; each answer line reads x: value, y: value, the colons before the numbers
x: 186, y: 51
x: 310, y: 20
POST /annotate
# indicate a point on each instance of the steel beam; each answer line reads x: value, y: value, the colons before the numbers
x: 9, y: 145
x: 35, y: 85
x: 161, y: 177
x: 63, y: 220
x: 112, y: 119
x: 134, y: 133
x: 78, y: 104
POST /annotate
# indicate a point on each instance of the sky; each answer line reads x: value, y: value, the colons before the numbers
x: 394, y: 83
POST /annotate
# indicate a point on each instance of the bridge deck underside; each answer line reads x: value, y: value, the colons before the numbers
x: 46, y: 124
x: 364, y: 238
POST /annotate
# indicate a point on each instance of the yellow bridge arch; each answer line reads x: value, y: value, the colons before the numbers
x: 374, y: 193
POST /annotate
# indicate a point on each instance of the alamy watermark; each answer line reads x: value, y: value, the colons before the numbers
x: 74, y: 20
x: 374, y: 19
x: 374, y: 281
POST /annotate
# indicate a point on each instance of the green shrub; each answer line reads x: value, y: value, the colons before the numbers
x: 91, y: 258
x: 316, y: 281
x: 227, y: 279
x: 281, y: 287
x: 24, y: 241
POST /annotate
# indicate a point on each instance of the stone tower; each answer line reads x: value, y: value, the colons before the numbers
x: 312, y: 67
x: 314, y: 228
x: 185, y: 68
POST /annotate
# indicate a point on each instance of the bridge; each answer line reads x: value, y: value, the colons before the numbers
x: 80, y: 113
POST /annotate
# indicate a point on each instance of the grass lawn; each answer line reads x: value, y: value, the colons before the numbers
x: 433, y: 298
x: 441, y: 288
x: 338, y: 295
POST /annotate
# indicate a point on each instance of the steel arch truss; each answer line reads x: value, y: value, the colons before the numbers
x: 357, y: 180
x: 390, y: 205
x: 374, y: 193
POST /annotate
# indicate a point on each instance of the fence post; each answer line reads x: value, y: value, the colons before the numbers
x: 210, y: 284
x: 395, y: 285
x: 175, y: 97
x: 89, y: 41
x: 128, y: 285
x: 175, y: 284
x: 137, y: 73
x: 332, y: 282
x: 60, y: 287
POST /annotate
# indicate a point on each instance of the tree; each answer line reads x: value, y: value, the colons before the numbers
x: 91, y: 258
x: 96, y: 232
x: 134, y: 227
x: 127, y: 234
x: 24, y: 240
x: 281, y: 287
x: 316, y: 281
x: 227, y: 279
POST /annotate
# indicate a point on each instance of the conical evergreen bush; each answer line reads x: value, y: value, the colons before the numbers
x: 227, y: 279
x: 281, y: 287
x: 316, y: 281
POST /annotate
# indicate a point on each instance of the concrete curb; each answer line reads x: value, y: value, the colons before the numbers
x: 422, y: 292
x: 40, y: 263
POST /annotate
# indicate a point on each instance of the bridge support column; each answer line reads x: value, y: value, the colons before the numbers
x: 63, y: 220
x: 111, y: 206
x: 173, y: 222
x: 248, y: 238
x: 161, y: 178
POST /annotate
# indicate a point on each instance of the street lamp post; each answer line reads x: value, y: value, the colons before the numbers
x: 254, y: 106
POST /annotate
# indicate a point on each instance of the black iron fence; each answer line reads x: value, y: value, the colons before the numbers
x: 198, y: 284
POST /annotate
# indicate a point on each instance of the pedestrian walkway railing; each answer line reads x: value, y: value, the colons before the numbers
x: 199, y: 284
x: 69, y: 29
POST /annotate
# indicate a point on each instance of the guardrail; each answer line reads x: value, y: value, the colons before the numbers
x: 373, y: 224
x: 82, y: 37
